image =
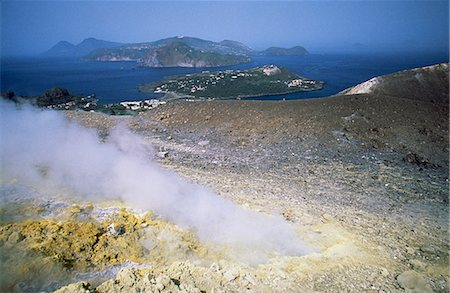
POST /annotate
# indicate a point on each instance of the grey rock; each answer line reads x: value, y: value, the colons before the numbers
x: 162, y: 281
x: 14, y: 238
x: 203, y: 142
x: 115, y: 229
x: 231, y: 274
x: 384, y: 272
x: 214, y: 267
x: 327, y: 217
x: 417, y: 264
x: 163, y: 154
x: 412, y: 281
x: 430, y: 249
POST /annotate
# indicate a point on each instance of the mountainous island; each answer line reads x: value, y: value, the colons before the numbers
x: 177, y: 51
x: 175, y: 54
x: 231, y: 84
x: 65, y: 49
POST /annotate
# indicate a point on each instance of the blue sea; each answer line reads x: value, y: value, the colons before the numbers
x: 118, y: 81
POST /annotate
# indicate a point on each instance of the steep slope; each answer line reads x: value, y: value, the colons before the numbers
x: 238, y: 46
x: 90, y: 44
x: 425, y: 84
x: 61, y: 49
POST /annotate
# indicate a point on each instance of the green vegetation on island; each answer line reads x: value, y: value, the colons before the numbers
x: 181, y: 55
x: 229, y: 84
x: 277, y: 51
x: 55, y: 98
x: 176, y: 52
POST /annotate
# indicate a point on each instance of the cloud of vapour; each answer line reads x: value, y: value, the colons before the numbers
x: 43, y: 149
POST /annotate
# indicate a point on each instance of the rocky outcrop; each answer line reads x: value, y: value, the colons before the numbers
x: 188, y: 277
x: 366, y: 87
x: 178, y: 277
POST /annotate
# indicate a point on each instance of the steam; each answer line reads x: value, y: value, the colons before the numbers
x: 43, y: 149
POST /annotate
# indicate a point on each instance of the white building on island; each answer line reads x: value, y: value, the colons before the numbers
x: 142, y: 105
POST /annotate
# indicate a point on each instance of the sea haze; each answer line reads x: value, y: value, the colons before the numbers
x: 118, y: 81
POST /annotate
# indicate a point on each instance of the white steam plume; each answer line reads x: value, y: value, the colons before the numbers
x: 43, y: 149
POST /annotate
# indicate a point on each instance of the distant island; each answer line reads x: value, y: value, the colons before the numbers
x: 277, y: 51
x: 177, y: 51
x: 65, y: 49
x: 230, y: 84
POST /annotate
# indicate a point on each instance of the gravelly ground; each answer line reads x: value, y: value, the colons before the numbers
x: 365, y: 178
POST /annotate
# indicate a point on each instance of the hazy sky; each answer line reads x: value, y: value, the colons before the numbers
x: 30, y: 27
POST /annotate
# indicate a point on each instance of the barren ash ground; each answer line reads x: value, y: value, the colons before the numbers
x: 363, y: 178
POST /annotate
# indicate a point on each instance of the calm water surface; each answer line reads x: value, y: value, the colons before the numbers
x: 119, y: 81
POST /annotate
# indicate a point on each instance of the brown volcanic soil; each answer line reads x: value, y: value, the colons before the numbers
x: 375, y: 122
x: 365, y: 178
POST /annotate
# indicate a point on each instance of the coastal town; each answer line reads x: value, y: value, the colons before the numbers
x: 61, y: 99
x: 90, y: 103
x: 142, y: 105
